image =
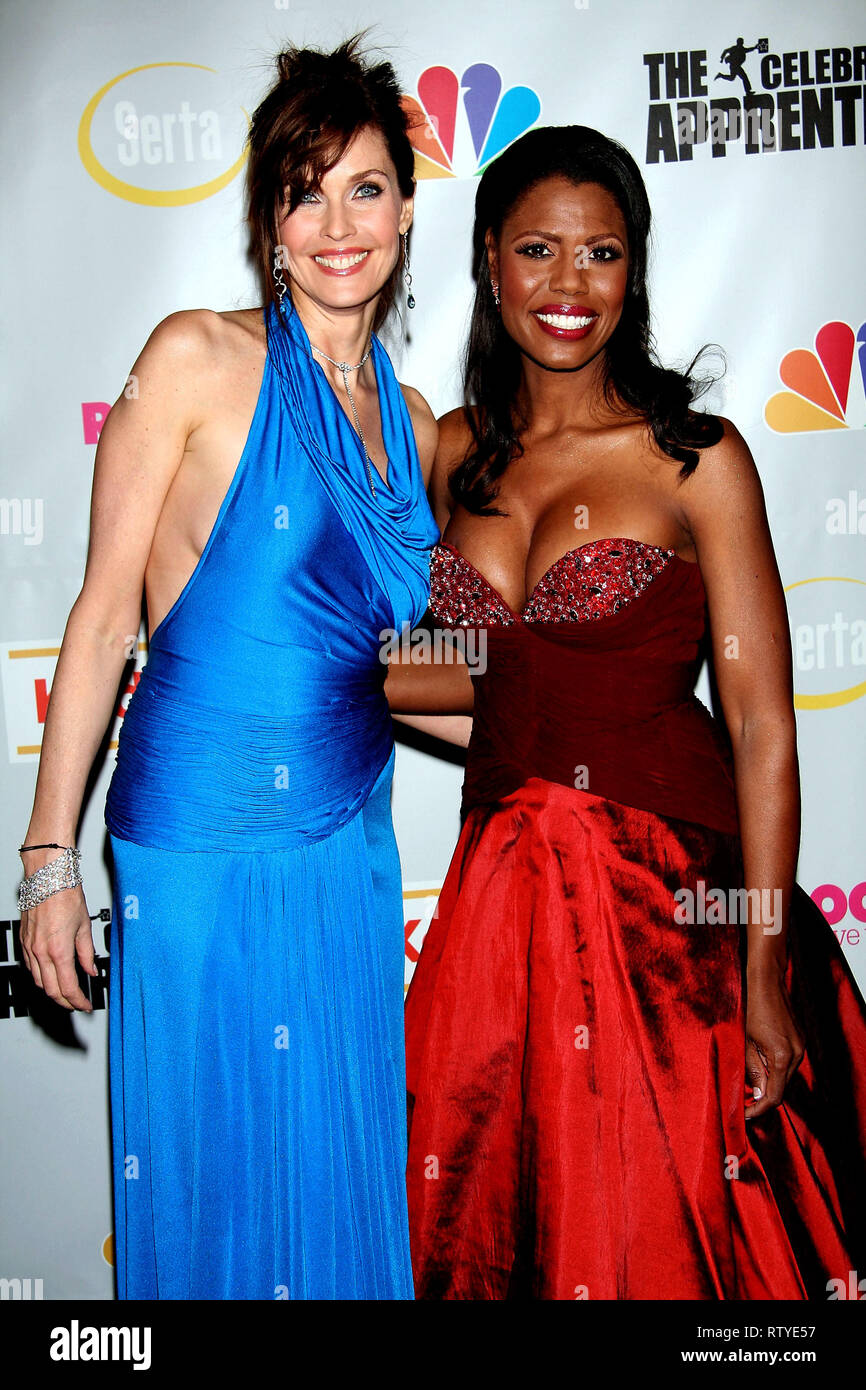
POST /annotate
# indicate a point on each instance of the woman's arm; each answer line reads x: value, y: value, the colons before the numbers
x: 140, y: 448
x: 419, y: 683
x: 723, y: 508
x: 450, y: 728
x: 435, y: 698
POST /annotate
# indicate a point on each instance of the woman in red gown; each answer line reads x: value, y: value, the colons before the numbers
x: 627, y: 1079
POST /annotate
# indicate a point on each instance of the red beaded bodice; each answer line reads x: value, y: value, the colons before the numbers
x: 592, y: 581
x: 592, y: 683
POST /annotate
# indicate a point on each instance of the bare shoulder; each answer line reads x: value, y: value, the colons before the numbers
x: 455, y: 436
x: 184, y: 335
x: 424, y: 426
x: 726, y: 471
x: 239, y: 326
x: 184, y: 342
x: 731, y: 451
x: 722, y: 501
x: 193, y: 366
x: 455, y: 442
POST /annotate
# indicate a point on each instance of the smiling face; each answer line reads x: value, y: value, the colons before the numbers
x: 561, y: 264
x: 342, y: 240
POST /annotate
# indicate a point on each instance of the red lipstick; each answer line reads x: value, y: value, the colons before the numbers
x: 565, y: 311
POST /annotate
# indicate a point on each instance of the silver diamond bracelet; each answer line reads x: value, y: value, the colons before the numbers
x: 62, y: 872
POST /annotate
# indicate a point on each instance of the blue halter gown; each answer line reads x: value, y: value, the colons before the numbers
x: 255, y: 1024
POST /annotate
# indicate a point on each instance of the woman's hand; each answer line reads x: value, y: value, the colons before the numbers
x: 52, y: 935
x: 774, y: 1044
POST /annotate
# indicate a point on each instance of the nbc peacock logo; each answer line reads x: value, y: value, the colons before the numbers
x: 445, y: 148
x: 825, y: 391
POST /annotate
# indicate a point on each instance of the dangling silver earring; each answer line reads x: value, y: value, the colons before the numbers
x: 495, y: 289
x: 279, y: 282
x: 410, y: 302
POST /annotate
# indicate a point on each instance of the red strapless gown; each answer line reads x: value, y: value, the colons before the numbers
x: 575, y: 1054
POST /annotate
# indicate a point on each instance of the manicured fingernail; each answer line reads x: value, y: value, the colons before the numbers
x: 757, y: 1092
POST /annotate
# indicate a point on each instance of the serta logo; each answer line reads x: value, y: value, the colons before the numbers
x: 825, y: 389
x: 493, y: 118
x: 828, y: 638
x: 160, y: 134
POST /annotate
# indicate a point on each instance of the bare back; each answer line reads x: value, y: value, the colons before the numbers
x: 226, y: 395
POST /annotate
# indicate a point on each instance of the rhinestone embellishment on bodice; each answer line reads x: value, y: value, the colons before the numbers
x: 593, y: 581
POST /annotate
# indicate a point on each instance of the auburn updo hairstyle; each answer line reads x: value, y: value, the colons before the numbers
x: 303, y: 127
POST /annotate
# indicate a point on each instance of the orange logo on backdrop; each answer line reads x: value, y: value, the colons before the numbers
x: 819, y: 394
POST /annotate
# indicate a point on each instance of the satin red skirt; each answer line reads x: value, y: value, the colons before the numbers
x: 576, y: 1074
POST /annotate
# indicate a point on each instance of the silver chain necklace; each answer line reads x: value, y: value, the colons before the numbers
x: 345, y: 368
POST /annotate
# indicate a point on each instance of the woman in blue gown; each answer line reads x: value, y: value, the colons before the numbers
x: 256, y: 1044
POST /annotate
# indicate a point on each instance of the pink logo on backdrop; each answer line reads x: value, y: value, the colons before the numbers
x: 836, y: 904
x: 93, y: 414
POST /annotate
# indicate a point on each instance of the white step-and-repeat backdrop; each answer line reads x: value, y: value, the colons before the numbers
x: 125, y: 125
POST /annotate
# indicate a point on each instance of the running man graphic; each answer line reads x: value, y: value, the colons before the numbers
x: 735, y: 57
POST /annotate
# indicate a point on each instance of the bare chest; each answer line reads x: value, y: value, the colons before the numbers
x: 553, y: 508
